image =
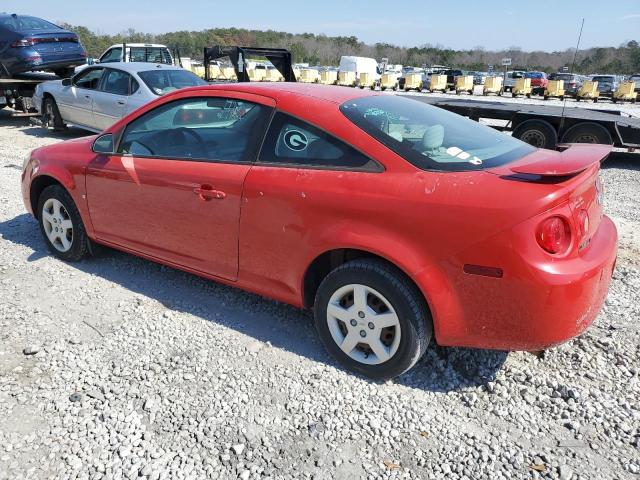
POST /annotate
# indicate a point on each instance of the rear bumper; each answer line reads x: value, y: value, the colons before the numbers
x: 21, y: 65
x: 537, y: 304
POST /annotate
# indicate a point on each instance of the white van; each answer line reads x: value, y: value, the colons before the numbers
x: 359, y: 65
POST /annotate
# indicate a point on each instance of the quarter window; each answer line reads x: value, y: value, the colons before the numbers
x: 216, y: 129
x: 89, y: 79
x: 292, y: 141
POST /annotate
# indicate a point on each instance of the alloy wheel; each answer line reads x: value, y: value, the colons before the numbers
x: 57, y: 225
x: 364, y: 324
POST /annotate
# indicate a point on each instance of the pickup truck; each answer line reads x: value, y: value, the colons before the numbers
x: 510, y: 79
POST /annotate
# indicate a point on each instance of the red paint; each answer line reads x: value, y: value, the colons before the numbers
x: 274, y: 221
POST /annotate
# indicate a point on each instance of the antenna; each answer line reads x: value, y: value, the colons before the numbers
x: 573, y: 65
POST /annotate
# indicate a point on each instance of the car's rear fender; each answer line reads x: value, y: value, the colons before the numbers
x: 412, y: 260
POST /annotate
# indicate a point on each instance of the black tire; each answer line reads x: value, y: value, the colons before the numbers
x: 80, y: 243
x: 405, y: 298
x: 587, y: 132
x: 546, y: 97
x: 561, y: 97
x: 577, y: 98
x: 51, y: 115
x: 538, y: 133
x: 65, y: 72
x: 382, y: 89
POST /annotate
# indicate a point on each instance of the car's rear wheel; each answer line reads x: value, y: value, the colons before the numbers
x: 61, y: 224
x: 372, y: 319
x: 51, y: 117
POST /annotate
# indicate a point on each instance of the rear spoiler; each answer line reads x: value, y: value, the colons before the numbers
x: 571, y: 160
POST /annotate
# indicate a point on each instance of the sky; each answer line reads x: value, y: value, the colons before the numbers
x: 461, y: 24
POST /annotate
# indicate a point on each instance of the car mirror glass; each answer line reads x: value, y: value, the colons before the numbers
x: 66, y: 82
x: 91, y: 61
x: 103, y: 144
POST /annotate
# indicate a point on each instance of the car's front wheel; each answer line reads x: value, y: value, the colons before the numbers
x: 372, y: 318
x: 61, y: 224
x: 51, y: 117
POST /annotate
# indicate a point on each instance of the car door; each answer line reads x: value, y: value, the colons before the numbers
x: 75, y: 102
x: 110, y: 101
x: 298, y: 187
x: 173, y: 189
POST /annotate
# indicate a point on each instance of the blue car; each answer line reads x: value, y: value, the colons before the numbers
x: 30, y: 43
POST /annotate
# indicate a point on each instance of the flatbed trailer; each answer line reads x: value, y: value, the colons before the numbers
x: 16, y: 92
x: 546, y: 126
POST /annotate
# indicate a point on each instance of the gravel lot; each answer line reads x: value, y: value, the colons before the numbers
x: 116, y: 367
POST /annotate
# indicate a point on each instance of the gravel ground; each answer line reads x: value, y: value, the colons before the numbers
x: 116, y: 367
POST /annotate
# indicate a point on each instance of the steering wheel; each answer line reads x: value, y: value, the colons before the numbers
x: 201, y: 145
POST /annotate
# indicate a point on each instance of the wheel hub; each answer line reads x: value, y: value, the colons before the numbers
x: 57, y: 224
x: 363, y: 324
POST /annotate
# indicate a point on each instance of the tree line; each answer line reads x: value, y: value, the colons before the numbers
x: 325, y: 50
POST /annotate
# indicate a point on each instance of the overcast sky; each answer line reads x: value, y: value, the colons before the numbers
x: 459, y: 24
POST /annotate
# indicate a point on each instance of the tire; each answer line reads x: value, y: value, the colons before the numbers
x: 538, y: 133
x: 577, y: 98
x: 587, y: 132
x: 65, y: 72
x: 561, y: 97
x: 546, y: 97
x: 390, y: 287
x: 51, y: 115
x: 57, y: 202
x: 382, y: 89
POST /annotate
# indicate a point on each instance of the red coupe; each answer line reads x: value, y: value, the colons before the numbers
x: 394, y: 220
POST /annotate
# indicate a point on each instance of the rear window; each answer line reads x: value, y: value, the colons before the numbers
x: 603, y: 79
x: 534, y: 75
x: 150, y: 55
x: 24, y: 24
x: 432, y: 138
x: 165, y: 81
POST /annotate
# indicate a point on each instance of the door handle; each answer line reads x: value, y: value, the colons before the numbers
x: 120, y: 102
x: 88, y: 97
x: 208, y: 193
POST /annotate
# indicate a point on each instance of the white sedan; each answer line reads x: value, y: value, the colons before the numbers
x: 100, y: 95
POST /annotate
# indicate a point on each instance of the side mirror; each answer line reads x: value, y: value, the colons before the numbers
x: 66, y: 82
x: 103, y: 144
x: 91, y: 61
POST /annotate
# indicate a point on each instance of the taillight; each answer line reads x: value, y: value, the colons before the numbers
x: 554, y: 235
x: 23, y: 42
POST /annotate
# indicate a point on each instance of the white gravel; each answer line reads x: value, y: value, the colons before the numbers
x: 116, y: 367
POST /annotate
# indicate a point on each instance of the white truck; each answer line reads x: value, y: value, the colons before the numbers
x: 359, y: 65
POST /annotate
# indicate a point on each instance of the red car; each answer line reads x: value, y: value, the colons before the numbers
x: 394, y: 220
x: 539, y: 81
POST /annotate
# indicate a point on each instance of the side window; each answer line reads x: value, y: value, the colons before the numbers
x: 89, y: 79
x: 112, y: 55
x: 116, y: 82
x: 134, y: 85
x: 216, y: 129
x: 292, y: 141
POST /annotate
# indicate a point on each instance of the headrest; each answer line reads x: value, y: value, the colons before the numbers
x: 433, y: 137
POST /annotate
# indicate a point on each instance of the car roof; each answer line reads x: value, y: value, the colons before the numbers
x: 277, y: 90
x: 135, y: 67
x: 150, y: 45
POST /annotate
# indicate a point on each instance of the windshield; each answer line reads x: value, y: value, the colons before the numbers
x: 602, y: 79
x: 165, y: 81
x: 432, y: 138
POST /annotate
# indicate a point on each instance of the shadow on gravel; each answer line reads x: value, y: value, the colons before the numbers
x: 622, y: 160
x: 284, y: 326
x: 10, y: 119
